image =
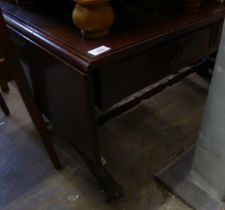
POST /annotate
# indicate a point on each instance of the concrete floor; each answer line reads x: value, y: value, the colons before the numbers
x: 135, y: 145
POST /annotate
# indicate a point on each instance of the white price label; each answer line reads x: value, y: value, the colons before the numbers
x: 99, y: 50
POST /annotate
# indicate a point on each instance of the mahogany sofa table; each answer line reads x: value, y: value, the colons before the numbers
x: 69, y: 83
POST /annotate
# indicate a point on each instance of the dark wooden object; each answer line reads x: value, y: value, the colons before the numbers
x: 4, y: 106
x: 68, y: 82
x: 5, y: 77
x: 11, y: 56
x: 152, y: 90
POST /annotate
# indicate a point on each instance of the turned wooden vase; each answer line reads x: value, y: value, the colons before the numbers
x: 93, y: 17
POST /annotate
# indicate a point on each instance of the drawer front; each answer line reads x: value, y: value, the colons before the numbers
x: 124, y: 77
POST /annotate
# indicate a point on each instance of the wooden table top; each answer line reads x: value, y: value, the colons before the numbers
x: 135, y: 31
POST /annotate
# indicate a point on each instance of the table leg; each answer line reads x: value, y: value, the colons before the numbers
x: 12, y: 57
x: 66, y: 96
x: 91, y: 155
x: 4, y: 106
x: 84, y: 136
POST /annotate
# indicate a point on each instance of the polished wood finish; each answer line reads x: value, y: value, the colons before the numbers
x: 68, y: 82
x: 11, y: 56
x: 135, y: 32
x: 153, y: 64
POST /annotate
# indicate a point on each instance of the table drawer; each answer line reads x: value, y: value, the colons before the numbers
x: 128, y: 75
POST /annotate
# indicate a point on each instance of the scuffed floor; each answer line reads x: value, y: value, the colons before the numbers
x: 136, y: 145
